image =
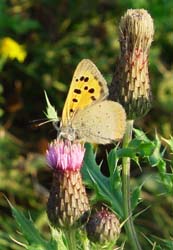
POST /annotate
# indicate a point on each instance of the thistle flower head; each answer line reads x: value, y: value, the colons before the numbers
x: 65, y: 155
x: 136, y: 31
x: 103, y: 227
x: 130, y: 85
x: 68, y: 201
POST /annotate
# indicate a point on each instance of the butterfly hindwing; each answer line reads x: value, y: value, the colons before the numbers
x: 87, y: 86
x: 103, y: 122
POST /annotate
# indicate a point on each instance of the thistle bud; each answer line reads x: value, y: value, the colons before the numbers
x: 130, y: 85
x: 68, y: 200
x: 103, y: 227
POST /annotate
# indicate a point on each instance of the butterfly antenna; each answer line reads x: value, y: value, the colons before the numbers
x: 39, y: 122
x: 42, y: 123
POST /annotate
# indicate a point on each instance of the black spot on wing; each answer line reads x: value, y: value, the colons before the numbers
x: 93, y: 98
x: 75, y: 100
x: 86, y: 79
x: 91, y: 90
x: 77, y: 91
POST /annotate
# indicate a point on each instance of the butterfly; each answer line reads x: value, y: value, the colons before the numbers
x: 87, y: 116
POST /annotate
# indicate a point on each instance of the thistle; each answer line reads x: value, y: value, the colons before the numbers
x: 130, y: 85
x: 103, y: 227
x: 67, y: 201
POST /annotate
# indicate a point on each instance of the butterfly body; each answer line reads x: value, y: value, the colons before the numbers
x: 68, y: 132
x: 87, y: 115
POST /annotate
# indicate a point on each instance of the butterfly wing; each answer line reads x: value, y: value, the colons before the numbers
x: 102, y: 123
x: 87, y: 86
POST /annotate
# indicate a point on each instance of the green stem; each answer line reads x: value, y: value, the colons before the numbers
x: 71, y: 239
x: 129, y: 226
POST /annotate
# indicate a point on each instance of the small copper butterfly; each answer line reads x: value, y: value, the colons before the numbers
x: 87, y: 115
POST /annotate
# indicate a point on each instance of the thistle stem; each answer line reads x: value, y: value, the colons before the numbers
x: 71, y: 239
x: 129, y: 226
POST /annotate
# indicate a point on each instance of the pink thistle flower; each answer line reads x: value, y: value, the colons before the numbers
x: 65, y: 155
x: 68, y: 201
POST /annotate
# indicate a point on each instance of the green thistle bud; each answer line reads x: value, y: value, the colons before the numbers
x: 68, y: 201
x: 130, y: 85
x: 103, y: 227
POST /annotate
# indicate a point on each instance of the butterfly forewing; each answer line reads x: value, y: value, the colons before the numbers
x: 87, y: 87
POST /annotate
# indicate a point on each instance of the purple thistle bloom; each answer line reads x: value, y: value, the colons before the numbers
x: 68, y: 200
x: 65, y: 155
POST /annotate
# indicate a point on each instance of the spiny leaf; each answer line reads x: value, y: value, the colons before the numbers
x: 156, y: 158
x: 141, y: 148
x: 31, y: 234
x: 140, y: 135
x: 114, y: 169
x: 27, y: 227
x: 112, y: 161
x: 100, y: 183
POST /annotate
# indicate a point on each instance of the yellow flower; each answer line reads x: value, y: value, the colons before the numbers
x: 11, y: 49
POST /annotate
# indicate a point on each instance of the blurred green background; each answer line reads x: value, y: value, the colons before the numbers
x: 41, y: 42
